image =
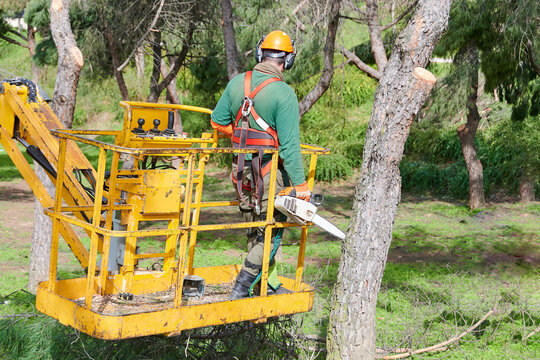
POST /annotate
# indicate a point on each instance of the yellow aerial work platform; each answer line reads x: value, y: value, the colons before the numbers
x: 120, y: 300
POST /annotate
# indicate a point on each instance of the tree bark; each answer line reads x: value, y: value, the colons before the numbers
x: 115, y: 61
x: 139, y: 62
x: 31, y: 38
x: 467, y: 132
x: 40, y: 251
x: 403, y: 88
x: 375, y: 33
x: 172, y: 97
x: 328, y: 67
x: 526, y: 189
x: 70, y: 62
x: 156, y: 66
x: 231, y: 52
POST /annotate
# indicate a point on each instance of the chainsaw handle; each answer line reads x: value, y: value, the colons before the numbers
x: 316, y: 199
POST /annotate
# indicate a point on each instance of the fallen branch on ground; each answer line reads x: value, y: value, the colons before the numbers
x: 535, y: 331
x: 440, y: 346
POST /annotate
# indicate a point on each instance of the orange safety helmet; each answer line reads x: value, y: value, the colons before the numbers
x: 279, y: 41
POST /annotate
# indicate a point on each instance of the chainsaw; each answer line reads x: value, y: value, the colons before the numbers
x: 302, y: 212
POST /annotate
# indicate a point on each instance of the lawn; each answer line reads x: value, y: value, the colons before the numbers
x: 446, y: 269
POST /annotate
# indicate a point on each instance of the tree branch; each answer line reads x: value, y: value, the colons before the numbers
x: 408, y: 10
x: 328, y: 67
x: 296, y: 9
x: 17, y: 33
x: 439, y: 346
x: 356, y: 20
x: 530, y: 55
x: 371, y: 72
x: 121, y: 67
x: 12, y: 41
x: 179, y: 60
x: 375, y: 34
x: 535, y: 331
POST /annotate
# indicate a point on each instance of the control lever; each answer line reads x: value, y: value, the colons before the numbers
x: 170, y: 124
x: 155, y: 131
x: 139, y: 130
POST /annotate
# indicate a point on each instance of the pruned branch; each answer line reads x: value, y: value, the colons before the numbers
x: 371, y: 72
x: 403, y: 14
x: 440, y: 346
x: 156, y: 17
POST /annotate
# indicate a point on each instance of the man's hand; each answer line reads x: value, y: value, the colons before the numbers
x: 300, y: 191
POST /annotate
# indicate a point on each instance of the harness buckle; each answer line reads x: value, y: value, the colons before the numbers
x: 247, y: 103
x: 257, y: 207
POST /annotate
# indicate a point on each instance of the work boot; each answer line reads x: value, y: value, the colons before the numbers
x: 242, y: 285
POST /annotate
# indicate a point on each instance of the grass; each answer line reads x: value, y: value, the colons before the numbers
x: 447, y: 267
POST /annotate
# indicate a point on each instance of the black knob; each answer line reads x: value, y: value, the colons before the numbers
x: 139, y: 130
x: 155, y: 131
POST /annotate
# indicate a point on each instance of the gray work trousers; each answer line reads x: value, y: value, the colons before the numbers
x: 255, y: 236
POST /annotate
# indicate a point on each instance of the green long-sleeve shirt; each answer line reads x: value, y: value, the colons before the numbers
x: 277, y: 104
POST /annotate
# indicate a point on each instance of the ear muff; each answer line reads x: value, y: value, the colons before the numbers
x: 289, y: 59
x: 258, y: 51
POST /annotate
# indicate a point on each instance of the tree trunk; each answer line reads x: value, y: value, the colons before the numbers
x: 139, y: 62
x: 231, y: 52
x: 40, y: 251
x: 467, y: 132
x: 156, y: 65
x: 70, y: 62
x: 328, y: 67
x: 115, y: 61
x: 526, y: 189
x: 31, y: 38
x: 375, y: 33
x: 403, y: 88
x: 172, y: 97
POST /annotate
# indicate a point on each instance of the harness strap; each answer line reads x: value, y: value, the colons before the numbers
x: 246, y: 137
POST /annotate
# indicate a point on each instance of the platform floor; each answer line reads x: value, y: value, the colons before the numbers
x: 113, y: 305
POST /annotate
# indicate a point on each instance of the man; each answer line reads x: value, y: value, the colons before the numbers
x: 259, y: 110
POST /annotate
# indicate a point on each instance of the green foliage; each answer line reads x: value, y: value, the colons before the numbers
x: 46, y: 53
x: 420, y: 177
x: 211, y: 76
x: 332, y: 167
x: 36, y: 14
x: 522, y: 91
